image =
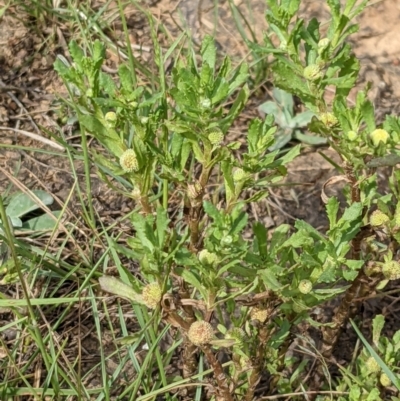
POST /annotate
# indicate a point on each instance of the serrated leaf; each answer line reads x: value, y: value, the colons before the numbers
x: 377, y: 326
x: 191, y: 278
x: 270, y: 280
x: 239, y: 223
x: 261, y: 234
x: 208, y: 51
x: 226, y: 168
x: 21, y: 203
x: 212, y: 211
x: 162, y: 222
x: 240, y: 78
x: 332, y: 208
x: 125, y: 78
x: 76, y: 54
x: 352, y: 213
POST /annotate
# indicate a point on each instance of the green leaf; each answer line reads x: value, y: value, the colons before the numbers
x: 261, y: 234
x: 42, y: 223
x: 270, y: 280
x: 21, y: 203
x: 76, y: 54
x: 239, y: 223
x: 226, y: 168
x: 332, y: 208
x: 107, y: 137
x: 208, y: 51
x: 377, y: 327
x: 314, y: 140
x: 125, y: 77
x: 194, y: 280
x: 144, y: 231
x: 212, y: 211
x: 240, y: 78
x: 162, y: 226
x: 352, y: 213
x: 117, y: 287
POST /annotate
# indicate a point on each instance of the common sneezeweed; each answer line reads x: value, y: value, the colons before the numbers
x: 226, y: 292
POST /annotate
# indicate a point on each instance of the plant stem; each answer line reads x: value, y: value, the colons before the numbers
x: 190, y: 364
x: 255, y: 375
x: 223, y: 392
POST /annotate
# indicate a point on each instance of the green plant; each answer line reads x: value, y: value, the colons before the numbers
x: 22, y: 204
x: 167, y: 145
x: 374, y: 371
x: 282, y: 108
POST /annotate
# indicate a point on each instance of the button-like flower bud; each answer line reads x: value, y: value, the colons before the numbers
x: 323, y: 44
x: 328, y: 119
x: 391, y: 270
x: 215, y: 136
x: 200, y: 333
x: 379, y: 135
x: 207, y: 258
x: 194, y: 190
x: 312, y: 72
x: 305, y: 286
x: 111, y: 117
x: 352, y: 136
x: 152, y: 295
x: 385, y: 381
x: 378, y: 218
x: 372, y: 365
x: 128, y: 161
x: 239, y: 175
x: 236, y: 334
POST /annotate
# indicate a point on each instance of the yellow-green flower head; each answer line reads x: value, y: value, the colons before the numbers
x: 379, y: 135
x: 205, y: 103
x: 239, y: 175
x: 297, y: 308
x: 200, y: 333
x: 260, y: 314
x: 152, y: 295
x: 352, y: 135
x: 385, y: 381
x: 378, y: 218
x: 236, y: 334
x: 397, y: 218
x: 283, y: 45
x: 391, y: 270
x: 136, y: 194
x: 312, y: 72
x: 372, y: 365
x: 245, y: 362
x: 110, y: 116
x: 305, y: 286
x: 207, y: 258
x: 215, y: 136
x: 328, y: 119
x: 194, y: 190
x: 323, y: 44
x: 128, y: 161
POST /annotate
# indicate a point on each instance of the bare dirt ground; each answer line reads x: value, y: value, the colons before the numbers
x: 29, y: 89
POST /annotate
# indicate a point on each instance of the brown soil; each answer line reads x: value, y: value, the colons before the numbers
x: 28, y: 102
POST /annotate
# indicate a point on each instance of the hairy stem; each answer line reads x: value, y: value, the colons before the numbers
x: 255, y: 375
x: 223, y: 391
